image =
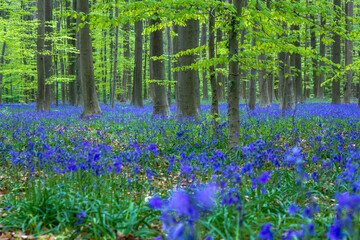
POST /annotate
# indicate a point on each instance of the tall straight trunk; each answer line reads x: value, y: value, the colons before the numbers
x: 48, y: 57
x: 336, y: 56
x: 252, y: 82
x: 285, y: 79
x: 349, y: 6
x: 314, y: 60
x: 116, y: 46
x: 104, y: 72
x: 62, y: 71
x: 70, y: 22
x: 213, y: 82
x: 234, y: 79
x: 187, y: 77
x: 127, y: 72
x: 203, y: 56
x: 2, y: 58
x: 40, y: 102
x: 263, y: 84
x: 157, y: 71
x: 306, y: 75
x: 168, y: 35
x: 175, y: 46
x: 322, y: 55
x: 91, y: 104
x: 145, y: 88
x: 137, y: 86
x: 297, y: 67
x: 220, y: 76
x: 197, y: 76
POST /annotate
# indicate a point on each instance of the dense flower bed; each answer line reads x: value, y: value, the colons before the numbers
x: 295, y: 176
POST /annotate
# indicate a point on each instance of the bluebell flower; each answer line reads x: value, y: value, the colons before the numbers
x: 156, y: 202
x: 266, y: 232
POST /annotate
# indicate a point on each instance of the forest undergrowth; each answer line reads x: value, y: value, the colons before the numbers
x: 128, y: 175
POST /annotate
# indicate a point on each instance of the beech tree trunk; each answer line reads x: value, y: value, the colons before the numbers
x: 40, y: 101
x: 168, y: 35
x: 70, y: 22
x: 137, y: 85
x: 213, y: 82
x: 314, y: 60
x: 234, y: 79
x: 127, y: 71
x: 2, y: 58
x: 204, y: 80
x: 197, y: 74
x: 322, y: 63
x: 48, y: 57
x: 252, y: 82
x: 91, y: 104
x: 116, y: 46
x: 187, y: 77
x: 298, y: 68
x: 176, y: 73
x: 349, y: 6
x: 157, y: 72
x: 336, y: 56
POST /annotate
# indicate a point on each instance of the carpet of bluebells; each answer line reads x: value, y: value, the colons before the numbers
x: 127, y: 175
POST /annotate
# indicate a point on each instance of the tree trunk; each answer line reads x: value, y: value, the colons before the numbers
x: 314, y: 60
x: 127, y: 72
x: 168, y: 35
x: 204, y: 80
x: 157, y: 71
x: 187, y: 77
x: 137, y: 86
x: 91, y: 104
x: 176, y: 73
x: 234, y: 79
x: 48, y: 57
x: 104, y: 67
x: 220, y: 76
x: 70, y: 21
x: 2, y: 58
x: 40, y: 102
x: 112, y: 97
x: 213, y: 82
x: 322, y: 63
x: 336, y: 56
x: 297, y: 67
x: 348, y: 53
x: 252, y: 82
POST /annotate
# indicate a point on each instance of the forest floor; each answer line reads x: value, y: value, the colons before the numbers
x: 126, y: 175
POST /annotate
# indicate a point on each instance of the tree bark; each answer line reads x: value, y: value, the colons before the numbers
x: 70, y: 22
x: 348, y: 53
x: 168, y: 35
x: 213, y: 82
x: 322, y: 63
x: 2, y: 58
x: 137, y: 86
x: 252, y: 82
x: 314, y: 60
x: 157, y: 72
x: 187, y: 77
x: 48, y: 57
x: 112, y: 97
x: 297, y: 67
x: 336, y: 56
x: 176, y: 73
x: 204, y: 80
x: 197, y: 74
x: 91, y: 104
x: 40, y: 102
x: 234, y: 79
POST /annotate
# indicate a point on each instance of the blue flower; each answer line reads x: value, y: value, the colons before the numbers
x: 156, y: 202
x: 293, y: 208
x: 335, y: 231
x: 264, y: 178
x: 206, y: 197
x: 266, y: 232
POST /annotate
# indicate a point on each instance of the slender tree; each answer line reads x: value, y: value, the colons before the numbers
x: 234, y: 78
x: 204, y: 79
x: 116, y: 46
x: 336, y: 55
x: 91, y: 104
x: 70, y: 25
x: 40, y: 102
x: 349, y: 6
x: 322, y: 55
x: 2, y: 59
x: 137, y: 85
x: 213, y: 82
x: 252, y: 82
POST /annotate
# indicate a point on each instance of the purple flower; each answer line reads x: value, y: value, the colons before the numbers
x: 350, y: 202
x: 266, y: 232
x: 81, y: 215
x: 335, y: 231
x: 206, y: 197
x: 155, y: 202
x: 293, y: 208
x: 264, y: 178
x: 181, y: 202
